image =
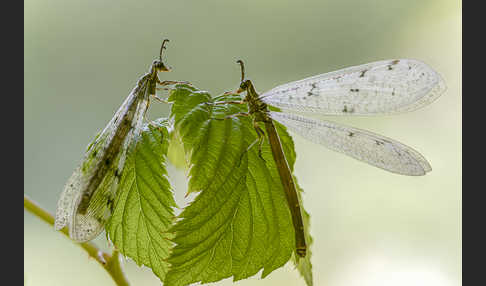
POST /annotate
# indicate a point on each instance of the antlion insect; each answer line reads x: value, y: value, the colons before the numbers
x: 383, y: 87
x: 87, y: 200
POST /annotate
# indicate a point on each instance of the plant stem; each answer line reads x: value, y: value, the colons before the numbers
x: 114, y: 267
x: 111, y: 263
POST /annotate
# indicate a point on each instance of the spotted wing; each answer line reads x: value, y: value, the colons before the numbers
x: 374, y: 149
x: 382, y: 87
x: 86, y: 202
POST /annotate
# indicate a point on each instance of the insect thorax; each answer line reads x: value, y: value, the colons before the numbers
x: 152, y: 79
x: 257, y: 108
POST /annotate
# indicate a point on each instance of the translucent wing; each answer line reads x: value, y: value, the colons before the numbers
x: 85, y: 204
x: 365, y: 146
x: 382, y: 87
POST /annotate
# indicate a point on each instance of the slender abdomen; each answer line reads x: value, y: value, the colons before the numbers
x: 289, y: 187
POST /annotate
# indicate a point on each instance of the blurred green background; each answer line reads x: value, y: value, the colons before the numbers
x: 371, y: 227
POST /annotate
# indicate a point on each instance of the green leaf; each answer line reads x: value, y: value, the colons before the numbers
x: 240, y: 221
x: 175, y: 154
x: 143, y: 208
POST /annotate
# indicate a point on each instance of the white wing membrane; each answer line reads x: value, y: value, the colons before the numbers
x: 67, y: 201
x: 86, y: 225
x: 365, y: 146
x: 382, y: 87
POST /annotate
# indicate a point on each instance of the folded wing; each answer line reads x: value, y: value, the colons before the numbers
x: 86, y: 202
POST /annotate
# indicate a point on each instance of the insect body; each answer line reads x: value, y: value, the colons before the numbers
x: 382, y: 87
x: 87, y: 200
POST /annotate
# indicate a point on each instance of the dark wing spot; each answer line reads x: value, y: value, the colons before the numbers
x: 378, y: 142
x: 314, y: 86
x: 363, y: 73
x: 107, y: 161
x: 354, y: 90
x: 345, y: 109
x: 350, y: 134
x: 390, y: 67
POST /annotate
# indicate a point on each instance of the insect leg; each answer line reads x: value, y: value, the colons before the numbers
x: 166, y: 82
x: 228, y: 102
x: 145, y: 114
x: 169, y: 82
x: 247, y: 149
x: 261, y: 138
x: 245, y: 114
x: 160, y: 99
x: 230, y: 93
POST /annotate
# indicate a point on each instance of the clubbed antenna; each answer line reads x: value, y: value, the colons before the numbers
x: 242, y: 69
x: 162, y: 48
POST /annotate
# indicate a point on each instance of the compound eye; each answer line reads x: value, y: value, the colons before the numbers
x: 243, y: 85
